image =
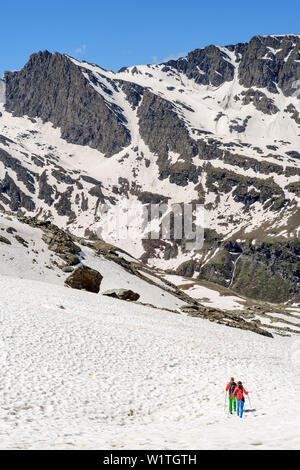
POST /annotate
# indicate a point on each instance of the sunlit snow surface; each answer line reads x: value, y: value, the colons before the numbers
x: 100, y: 373
x: 80, y: 370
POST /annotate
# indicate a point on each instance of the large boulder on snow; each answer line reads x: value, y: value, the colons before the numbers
x: 85, y: 278
x: 122, y: 294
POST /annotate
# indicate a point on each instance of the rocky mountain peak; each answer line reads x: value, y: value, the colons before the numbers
x: 205, y: 66
x: 219, y: 127
x: 52, y: 88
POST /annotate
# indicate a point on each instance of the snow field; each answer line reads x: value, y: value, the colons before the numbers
x: 102, y: 373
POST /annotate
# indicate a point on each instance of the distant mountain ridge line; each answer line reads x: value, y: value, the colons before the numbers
x: 219, y: 127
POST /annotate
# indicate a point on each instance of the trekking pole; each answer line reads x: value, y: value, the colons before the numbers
x: 225, y: 400
x: 249, y: 400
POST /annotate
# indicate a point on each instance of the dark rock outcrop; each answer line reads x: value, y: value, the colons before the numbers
x: 260, y: 101
x: 293, y: 112
x: 220, y: 180
x: 54, y: 89
x: 61, y: 243
x: 267, y: 270
x: 84, y: 278
x: 14, y: 197
x: 208, y: 66
x: 22, y: 173
x: 122, y: 294
x: 241, y: 320
x: 4, y: 240
x: 21, y: 241
x: 45, y: 190
x: 133, y: 92
x: 270, y: 61
x: 163, y: 131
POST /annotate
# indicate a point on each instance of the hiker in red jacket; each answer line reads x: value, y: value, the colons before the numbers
x: 239, y: 393
x: 230, y: 387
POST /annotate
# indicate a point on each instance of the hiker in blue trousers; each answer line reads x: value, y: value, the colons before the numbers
x: 240, y: 400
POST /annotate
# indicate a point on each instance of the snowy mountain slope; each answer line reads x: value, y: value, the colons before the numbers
x: 25, y: 255
x: 38, y: 251
x: 280, y: 318
x: 220, y: 127
x: 96, y: 374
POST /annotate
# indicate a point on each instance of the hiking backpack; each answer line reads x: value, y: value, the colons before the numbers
x: 232, y: 387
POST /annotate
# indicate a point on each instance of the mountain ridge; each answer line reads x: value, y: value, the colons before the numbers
x: 220, y: 127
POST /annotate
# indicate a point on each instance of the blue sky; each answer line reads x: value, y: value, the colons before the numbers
x: 118, y: 33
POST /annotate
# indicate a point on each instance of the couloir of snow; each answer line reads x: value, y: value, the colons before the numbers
x: 80, y: 370
x: 199, y: 105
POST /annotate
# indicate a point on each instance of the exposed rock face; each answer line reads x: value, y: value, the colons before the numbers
x: 268, y: 270
x: 219, y: 267
x: 45, y: 190
x: 21, y: 241
x: 270, y: 61
x: 264, y: 62
x: 208, y: 66
x: 63, y: 245
x: 52, y: 88
x: 258, y: 166
x: 84, y: 278
x: 122, y: 294
x: 163, y: 131
x: 4, y: 240
x: 260, y: 101
x: 240, y: 320
x: 294, y: 113
x: 261, y: 189
x: 133, y: 92
x: 23, y: 174
x: 13, y: 196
